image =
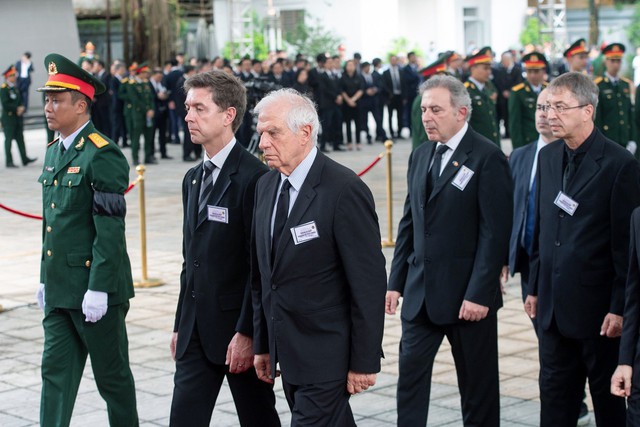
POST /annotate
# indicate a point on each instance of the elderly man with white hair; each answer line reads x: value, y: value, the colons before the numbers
x: 318, y: 273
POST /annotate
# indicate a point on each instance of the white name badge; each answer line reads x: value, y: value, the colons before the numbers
x: 462, y: 178
x: 305, y: 232
x: 566, y: 203
x: 218, y: 214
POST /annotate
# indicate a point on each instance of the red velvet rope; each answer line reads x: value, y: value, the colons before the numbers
x: 375, y: 162
x: 28, y: 215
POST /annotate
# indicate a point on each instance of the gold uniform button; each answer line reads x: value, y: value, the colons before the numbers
x: 69, y: 183
x: 55, y: 182
x: 606, y: 127
x: 621, y: 122
x: 87, y: 263
x: 53, y: 205
x: 48, y: 229
x: 49, y: 252
x: 44, y: 182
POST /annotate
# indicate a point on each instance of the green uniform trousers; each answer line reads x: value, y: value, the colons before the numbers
x: 67, y: 341
x: 139, y: 128
x: 13, y: 131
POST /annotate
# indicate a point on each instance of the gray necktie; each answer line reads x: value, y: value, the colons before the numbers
x: 205, y: 191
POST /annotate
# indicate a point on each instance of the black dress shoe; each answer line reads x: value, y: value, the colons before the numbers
x: 188, y: 159
x: 166, y: 156
x: 324, y: 150
x: 338, y: 148
x: 151, y: 161
x: 11, y: 165
x: 30, y: 160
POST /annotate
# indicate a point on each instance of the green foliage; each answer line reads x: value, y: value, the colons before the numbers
x: 312, y: 38
x: 633, y: 30
x: 260, y: 47
x: 531, y: 33
x: 402, y: 46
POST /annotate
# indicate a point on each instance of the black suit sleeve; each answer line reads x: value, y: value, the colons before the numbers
x: 357, y: 236
x: 631, y: 324
x: 624, y: 199
x: 245, y: 321
x: 260, y: 333
x: 495, y: 204
x: 404, y: 242
x: 183, y: 272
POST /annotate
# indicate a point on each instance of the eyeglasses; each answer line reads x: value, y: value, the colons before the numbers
x: 558, y: 109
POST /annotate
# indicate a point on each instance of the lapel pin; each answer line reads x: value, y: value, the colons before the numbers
x: 194, y: 182
x: 80, y: 144
x: 455, y: 163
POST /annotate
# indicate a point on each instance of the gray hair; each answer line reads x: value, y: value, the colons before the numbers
x: 459, y: 95
x: 302, y: 110
x: 584, y: 90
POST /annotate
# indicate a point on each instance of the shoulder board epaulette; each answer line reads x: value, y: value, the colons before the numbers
x: 545, y: 84
x: 97, y: 140
x: 4, y: 85
x: 125, y: 80
x: 598, y: 80
x: 626, y: 80
x: 53, y: 142
x: 517, y: 87
x: 131, y: 82
x: 467, y: 84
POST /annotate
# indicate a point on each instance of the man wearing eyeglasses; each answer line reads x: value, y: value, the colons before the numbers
x: 587, y: 187
x: 615, y: 111
x: 522, y: 101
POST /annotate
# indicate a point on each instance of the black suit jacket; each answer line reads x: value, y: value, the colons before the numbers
x: 521, y: 163
x: 452, y: 246
x: 579, y: 263
x: 631, y: 324
x: 319, y: 309
x: 214, y: 282
x: 387, y: 83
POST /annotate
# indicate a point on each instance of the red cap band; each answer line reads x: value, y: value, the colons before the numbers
x: 70, y: 82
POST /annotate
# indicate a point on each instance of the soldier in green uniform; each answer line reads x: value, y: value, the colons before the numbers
x: 139, y: 97
x: 12, y: 110
x: 418, y: 135
x: 123, y: 95
x: 614, y: 115
x: 85, y: 271
x: 577, y: 56
x: 522, y: 101
x: 483, y: 95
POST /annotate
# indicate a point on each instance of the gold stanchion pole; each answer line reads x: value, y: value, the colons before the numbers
x: 389, y: 243
x: 145, y: 282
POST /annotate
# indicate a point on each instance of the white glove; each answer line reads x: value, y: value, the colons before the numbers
x: 94, y: 305
x: 40, y: 296
x: 632, y: 147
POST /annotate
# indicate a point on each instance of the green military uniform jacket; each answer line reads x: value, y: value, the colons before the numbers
x: 483, y: 116
x: 83, y: 227
x: 614, y: 115
x: 10, y: 99
x: 522, y: 114
x: 138, y: 98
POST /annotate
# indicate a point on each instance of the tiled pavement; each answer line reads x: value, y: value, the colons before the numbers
x: 150, y: 319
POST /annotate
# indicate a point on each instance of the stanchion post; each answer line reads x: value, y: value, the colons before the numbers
x: 389, y: 243
x: 145, y: 282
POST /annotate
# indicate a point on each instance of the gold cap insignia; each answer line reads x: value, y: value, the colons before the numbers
x: 582, y: 43
x: 534, y: 58
x: 52, y: 68
x: 615, y: 48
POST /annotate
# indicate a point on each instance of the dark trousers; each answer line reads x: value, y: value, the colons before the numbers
x: 633, y: 401
x: 336, y: 127
x: 395, y: 104
x: 160, y: 122
x: 197, y: 383
x: 351, y: 115
x: 174, y: 125
x: 326, y: 117
x: 524, y: 281
x: 68, y: 339
x: 378, y: 113
x: 319, y: 405
x: 23, y: 87
x: 13, y: 130
x: 474, y: 346
x: 118, y: 129
x: 564, y: 365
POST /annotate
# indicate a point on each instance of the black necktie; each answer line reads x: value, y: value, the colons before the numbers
x: 282, y: 212
x: 569, y: 171
x: 434, y: 172
x: 205, y: 191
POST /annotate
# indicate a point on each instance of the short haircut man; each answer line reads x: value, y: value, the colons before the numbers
x: 587, y: 187
x: 452, y: 241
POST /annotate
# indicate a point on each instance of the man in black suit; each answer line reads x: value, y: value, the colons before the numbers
x: 393, y: 81
x: 379, y: 99
x: 213, y: 329
x: 524, y: 164
x: 118, y: 129
x: 325, y: 94
x: 101, y: 107
x: 318, y: 276
x: 24, y: 68
x: 587, y: 187
x: 177, y: 97
x: 452, y: 242
x: 170, y: 81
x: 411, y: 80
x: 626, y: 378
x: 161, y: 111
